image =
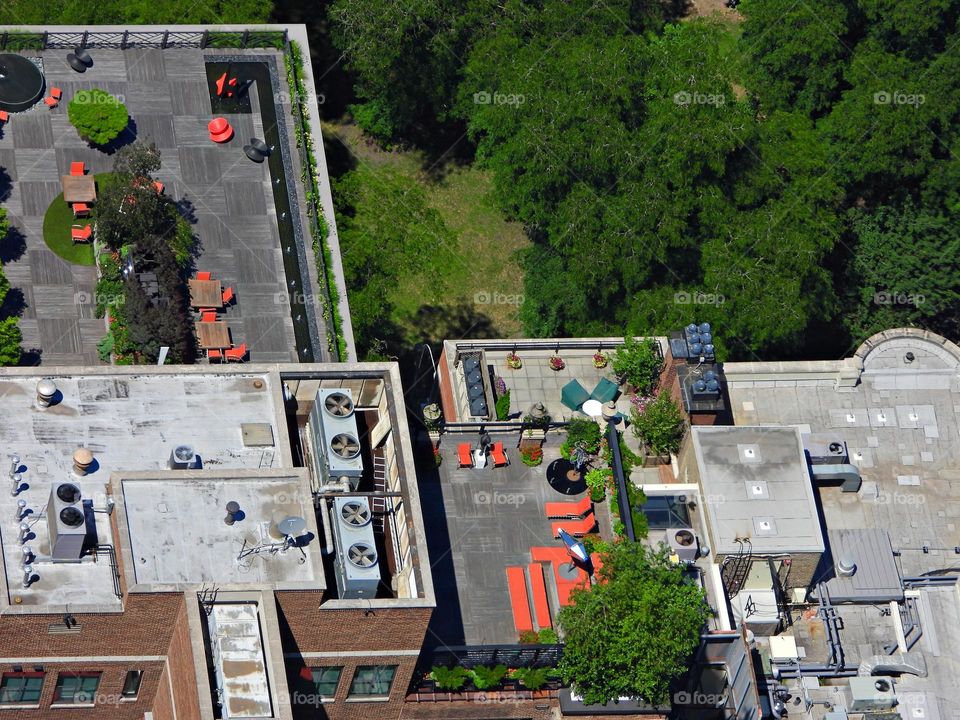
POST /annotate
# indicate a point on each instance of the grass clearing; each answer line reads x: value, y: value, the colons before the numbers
x: 480, y: 290
x: 57, y: 223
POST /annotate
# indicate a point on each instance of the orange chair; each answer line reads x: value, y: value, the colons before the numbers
x: 561, y: 510
x: 237, y: 353
x: 81, y: 210
x: 4, y: 116
x: 228, y: 296
x: 465, y: 454
x: 220, y: 130
x: 51, y: 102
x: 215, y: 355
x: 56, y: 93
x: 577, y: 528
x: 499, y: 456
x: 81, y: 234
x: 203, y: 276
x: 78, y: 168
x: 208, y: 316
x: 159, y: 186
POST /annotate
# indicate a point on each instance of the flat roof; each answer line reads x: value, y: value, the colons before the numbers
x: 756, y: 485
x: 173, y: 532
x: 875, y: 578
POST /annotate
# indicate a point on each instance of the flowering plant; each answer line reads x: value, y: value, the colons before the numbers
x: 600, y: 360
x: 557, y: 363
x: 501, y: 386
x: 531, y: 456
x: 514, y: 362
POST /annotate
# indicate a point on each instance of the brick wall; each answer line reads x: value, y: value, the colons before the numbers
x: 183, y: 676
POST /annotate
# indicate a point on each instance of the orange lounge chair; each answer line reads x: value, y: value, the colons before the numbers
x: 81, y: 234
x: 56, y: 93
x: 558, y: 510
x: 227, y: 296
x: 237, y: 353
x: 499, y: 456
x: 78, y: 168
x: 518, y: 599
x: 81, y: 210
x: 577, y: 528
x: 214, y: 355
x: 159, y: 187
x: 208, y: 316
x: 51, y: 102
x: 538, y: 589
x: 4, y: 116
x: 203, y: 276
x: 465, y: 454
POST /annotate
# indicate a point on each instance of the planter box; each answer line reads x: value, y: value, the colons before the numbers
x: 532, y: 439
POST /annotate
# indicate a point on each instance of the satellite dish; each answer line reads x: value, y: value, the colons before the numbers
x: 293, y: 526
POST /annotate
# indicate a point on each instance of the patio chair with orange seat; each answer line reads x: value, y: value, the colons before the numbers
x: 465, y: 454
x: 228, y: 296
x: 215, y: 355
x: 498, y: 455
x: 208, y: 316
x: 81, y: 234
x: 577, y: 528
x: 159, y: 187
x: 575, y: 510
x: 4, y: 116
x: 238, y: 353
x: 78, y: 168
x: 81, y: 210
x: 203, y: 276
x: 54, y: 99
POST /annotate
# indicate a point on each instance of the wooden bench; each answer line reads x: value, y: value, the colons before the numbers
x: 575, y: 510
x: 538, y: 590
x: 517, y: 584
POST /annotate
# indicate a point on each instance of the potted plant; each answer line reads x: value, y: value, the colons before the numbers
x: 557, y: 363
x: 485, y: 678
x: 451, y: 679
x: 597, y: 480
x: 514, y: 362
x: 503, y: 406
x: 437, y: 457
x: 600, y: 360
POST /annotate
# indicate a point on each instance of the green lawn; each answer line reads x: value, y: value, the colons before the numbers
x: 484, y: 282
x: 56, y: 233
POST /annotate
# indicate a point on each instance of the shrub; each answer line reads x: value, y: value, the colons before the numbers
x: 638, y: 362
x: 660, y: 426
x: 597, y: 481
x: 582, y: 431
x: 532, y: 678
x: 98, y: 116
x: 529, y: 637
x: 485, y: 678
x: 452, y: 678
x: 503, y: 406
x: 548, y: 636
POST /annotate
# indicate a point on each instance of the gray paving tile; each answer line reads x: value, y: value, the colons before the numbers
x: 156, y: 129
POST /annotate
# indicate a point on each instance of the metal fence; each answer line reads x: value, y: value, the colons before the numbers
x: 239, y: 39
x: 470, y: 656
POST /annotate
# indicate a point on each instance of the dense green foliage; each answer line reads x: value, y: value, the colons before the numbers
x: 98, y: 116
x: 582, y: 432
x: 633, y: 631
x: 449, y: 678
x: 10, y: 336
x: 764, y: 177
x: 638, y: 362
x: 503, y: 406
x: 386, y: 229
x: 133, y: 12
x: 660, y: 425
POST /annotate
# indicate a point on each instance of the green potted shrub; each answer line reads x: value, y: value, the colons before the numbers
x: 529, y: 637
x: 503, y: 406
x: 532, y: 678
x: 582, y: 431
x: 451, y: 679
x: 98, y: 116
x: 660, y: 426
x: 548, y: 636
x: 597, y: 480
x: 485, y: 678
x: 638, y: 362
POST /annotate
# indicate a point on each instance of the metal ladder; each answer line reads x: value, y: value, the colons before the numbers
x: 379, y: 504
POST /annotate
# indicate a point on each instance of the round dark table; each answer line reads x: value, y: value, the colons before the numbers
x: 21, y: 83
x: 563, y: 477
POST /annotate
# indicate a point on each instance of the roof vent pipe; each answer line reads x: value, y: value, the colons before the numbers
x: 82, y: 461
x: 46, y: 392
x: 846, y: 566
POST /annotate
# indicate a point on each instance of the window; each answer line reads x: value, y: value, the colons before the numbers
x: 325, y: 680
x: 373, y: 680
x: 21, y: 688
x: 131, y: 684
x: 76, y: 688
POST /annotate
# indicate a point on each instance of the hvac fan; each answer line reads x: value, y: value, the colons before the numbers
x: 362, y: 555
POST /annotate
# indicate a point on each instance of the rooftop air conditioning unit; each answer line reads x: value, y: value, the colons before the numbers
x: 183, y: 457
x: 336, y: 441
x: 357, y: 570
x: 683, y: 543
x: 871, y: 694
x: 66, y: 522
x: 825, y: 449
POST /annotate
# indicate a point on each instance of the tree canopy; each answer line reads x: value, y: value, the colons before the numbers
x: 133, y: 12
x: 634, y: 631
